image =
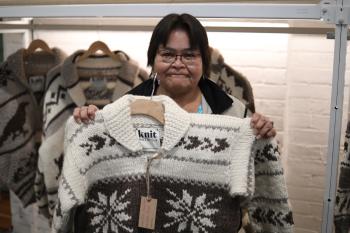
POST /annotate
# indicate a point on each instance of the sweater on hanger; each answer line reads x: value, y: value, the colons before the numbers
x: 21, y: 117
x: 230, y: 80
x: 63, y: 94
x: 342, y: 203
x: 209, y: 167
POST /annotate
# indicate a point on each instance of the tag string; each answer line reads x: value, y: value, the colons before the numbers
x: 153, y: 84
x: 157, y: 155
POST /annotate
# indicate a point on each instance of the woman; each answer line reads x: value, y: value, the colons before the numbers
x: 179, y: 56
x: 180, y: 59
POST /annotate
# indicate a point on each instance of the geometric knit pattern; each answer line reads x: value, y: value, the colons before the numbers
x: 342, y: 204
x: 194, y: 211
x: 230, y: 81
x: 64, y: 92
x: 108, y: 212
x: 267, y: 209
x: 203, y: 175
x: 22, y: 80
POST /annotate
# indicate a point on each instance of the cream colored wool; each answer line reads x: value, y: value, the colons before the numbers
x: 210, y: 159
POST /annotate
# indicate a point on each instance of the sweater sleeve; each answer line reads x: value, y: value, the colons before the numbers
x: 342, y: 204
x: 57, y: 108
x: 72, y: 184
x: 48, y: 172
x: 269, y: 210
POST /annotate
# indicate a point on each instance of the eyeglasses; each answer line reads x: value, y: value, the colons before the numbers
x: 187, y: 57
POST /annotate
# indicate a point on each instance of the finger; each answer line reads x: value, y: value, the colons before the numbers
x: 76, y: 115
x: 84, y: 115
x: 261, y: 123
x: 265, y: 129
x: 255, y: 119
x: 91, y: 111
x: 271, y: 133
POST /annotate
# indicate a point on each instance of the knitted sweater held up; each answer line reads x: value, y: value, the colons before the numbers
x: 205, y: 173
x: 22, y: 82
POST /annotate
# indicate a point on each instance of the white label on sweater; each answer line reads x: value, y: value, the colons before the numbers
x: 149, y: 138
x: 36, y: 83
x: 98, y: 83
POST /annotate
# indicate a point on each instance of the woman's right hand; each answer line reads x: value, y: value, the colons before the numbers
x: 84, y: 114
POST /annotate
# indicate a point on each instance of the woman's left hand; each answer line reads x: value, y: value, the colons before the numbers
x: 263, y: 126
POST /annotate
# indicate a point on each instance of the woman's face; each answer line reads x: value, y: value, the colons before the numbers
x: 178, y: 75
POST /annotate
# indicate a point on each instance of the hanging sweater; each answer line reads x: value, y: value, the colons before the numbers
x: 230, y: 81
x: 342, y: 204
x: 20, y: 120
x: 63, y: 94
x: 209, y: 167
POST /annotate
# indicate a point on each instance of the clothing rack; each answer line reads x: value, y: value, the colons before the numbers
x: 332, y: 12
x: 205, y: 10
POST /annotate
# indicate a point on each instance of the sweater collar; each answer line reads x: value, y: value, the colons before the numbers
x: 119, y: 122
x: 16, y: 64
x: 128, y: 70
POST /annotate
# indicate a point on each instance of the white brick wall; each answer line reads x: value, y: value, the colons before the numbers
x: 309, y: 75
x: 291, y: 78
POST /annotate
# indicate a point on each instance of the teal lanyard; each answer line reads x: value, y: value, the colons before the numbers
x: 200, y: 109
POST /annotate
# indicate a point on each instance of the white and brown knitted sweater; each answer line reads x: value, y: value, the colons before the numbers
x: 63, y: 94
x: 210, y: 166
x: 22, y: 80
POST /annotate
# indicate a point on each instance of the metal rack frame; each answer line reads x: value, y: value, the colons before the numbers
x: 335, y: 12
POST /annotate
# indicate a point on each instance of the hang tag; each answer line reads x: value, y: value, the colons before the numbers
x: 148, y: 210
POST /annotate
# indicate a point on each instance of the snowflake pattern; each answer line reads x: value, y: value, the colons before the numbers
x: 188, y: 212
x: 109, y: 212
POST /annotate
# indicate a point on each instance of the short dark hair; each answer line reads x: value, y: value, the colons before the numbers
x: 194, y: 29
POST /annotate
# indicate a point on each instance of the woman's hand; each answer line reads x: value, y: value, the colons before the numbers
x: 84, y: 114
x: 263, y: 126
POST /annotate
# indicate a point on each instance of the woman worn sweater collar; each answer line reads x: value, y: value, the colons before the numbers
x: 217, y: 99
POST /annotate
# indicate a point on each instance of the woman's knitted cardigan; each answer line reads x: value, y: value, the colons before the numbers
x: 209, y: 166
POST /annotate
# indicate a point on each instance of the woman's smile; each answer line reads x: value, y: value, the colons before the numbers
x: 175, y: 75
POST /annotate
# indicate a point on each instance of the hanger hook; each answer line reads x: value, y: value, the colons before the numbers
x: 153, y: 84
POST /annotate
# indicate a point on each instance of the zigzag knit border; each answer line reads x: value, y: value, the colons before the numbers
x: 270, y: 200
x: 227, y: 129
x: 269, y: 173
x: 67, y: 187
x: 219, y: 162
